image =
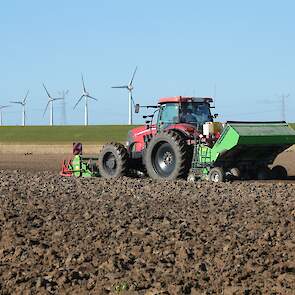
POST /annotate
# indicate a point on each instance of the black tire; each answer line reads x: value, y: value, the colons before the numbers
x: 216, y: 174
x: 279, y: 172
x: 113, y: 161
x: 167, y: 156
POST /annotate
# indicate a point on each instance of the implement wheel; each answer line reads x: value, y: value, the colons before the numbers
x: 216, y: 174
x: 279, y: 172
x: 113, y: 161
x: 167, y: 156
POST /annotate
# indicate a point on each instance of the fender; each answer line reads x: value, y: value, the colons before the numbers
x: 187, y: 130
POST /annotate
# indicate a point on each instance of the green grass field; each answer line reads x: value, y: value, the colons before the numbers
x: 63, y: 134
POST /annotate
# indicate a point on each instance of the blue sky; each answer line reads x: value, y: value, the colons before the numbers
x: 245, y: 48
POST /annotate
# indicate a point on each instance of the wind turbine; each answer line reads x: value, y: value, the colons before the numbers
x: 86, y: 96
x: 1, y: 108
x: 129, y: 87
x: 50, y: 102
x: 23, y: 104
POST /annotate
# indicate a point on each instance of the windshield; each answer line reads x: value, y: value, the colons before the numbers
x: 195, y: 113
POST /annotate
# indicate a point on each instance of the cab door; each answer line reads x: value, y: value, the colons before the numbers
x: 168, y: 115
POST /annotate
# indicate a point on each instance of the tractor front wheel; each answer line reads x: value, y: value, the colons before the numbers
x: 113, y: 161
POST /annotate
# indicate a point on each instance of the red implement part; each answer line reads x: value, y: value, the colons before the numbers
x: 65, y: 168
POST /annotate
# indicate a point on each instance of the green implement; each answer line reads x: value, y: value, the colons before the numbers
x: 84, y: 166
x: 246, y: 146
x: 80, y: 166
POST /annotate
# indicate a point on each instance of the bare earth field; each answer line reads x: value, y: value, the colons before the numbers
x: 138, y: 236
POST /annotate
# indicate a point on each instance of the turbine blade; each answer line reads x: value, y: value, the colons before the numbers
x: 120, y: 87
x: 18, y: 102
x: 46, y: 90
x: 78, y: 101
x: 132, y: 100
x: 46, y: 108
x: 92, y: 97
x: 131, y: 81
x: 24, y: 101
x: 84, y: 88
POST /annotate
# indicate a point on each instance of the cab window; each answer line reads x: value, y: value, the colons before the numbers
x: 169, y: 114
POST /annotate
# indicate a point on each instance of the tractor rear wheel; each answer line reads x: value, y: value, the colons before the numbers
x: 167, y: 156
x: 113, y: 161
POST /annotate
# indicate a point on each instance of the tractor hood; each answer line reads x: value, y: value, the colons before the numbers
x: 142, y: 130
x: 187, y: 129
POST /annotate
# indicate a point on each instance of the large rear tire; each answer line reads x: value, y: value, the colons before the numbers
x: 113, y: 161
x: 167, y: 156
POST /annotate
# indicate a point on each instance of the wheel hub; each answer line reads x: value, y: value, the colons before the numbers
x: 164, y: 160
x: 111, y: 163
x: 215, y: 177
x: 168, y: 158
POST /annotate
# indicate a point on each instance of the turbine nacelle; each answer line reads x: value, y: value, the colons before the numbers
x: 130, y: 87
x: 22, y: 101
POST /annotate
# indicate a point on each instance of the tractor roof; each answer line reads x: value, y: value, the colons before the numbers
x: 181, y: 99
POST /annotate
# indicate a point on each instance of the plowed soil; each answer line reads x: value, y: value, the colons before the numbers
x: 138, y: 236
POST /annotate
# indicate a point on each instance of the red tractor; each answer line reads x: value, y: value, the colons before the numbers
x: 162, y: 149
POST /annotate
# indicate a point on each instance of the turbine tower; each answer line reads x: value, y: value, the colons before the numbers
x: 283, y: 103
x: 50, y: 102
x: 86, y: 96
x: 63, y: 113
x: 1, y: 108
x: 129, y: 87
x: 23, y: 104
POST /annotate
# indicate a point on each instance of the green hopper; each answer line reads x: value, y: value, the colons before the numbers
x: 244, y: 149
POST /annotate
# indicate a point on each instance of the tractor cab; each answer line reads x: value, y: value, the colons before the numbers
x: 184, y: 110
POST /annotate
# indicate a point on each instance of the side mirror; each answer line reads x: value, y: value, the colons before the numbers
x: 136, y: 109
x: 215, y: 116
